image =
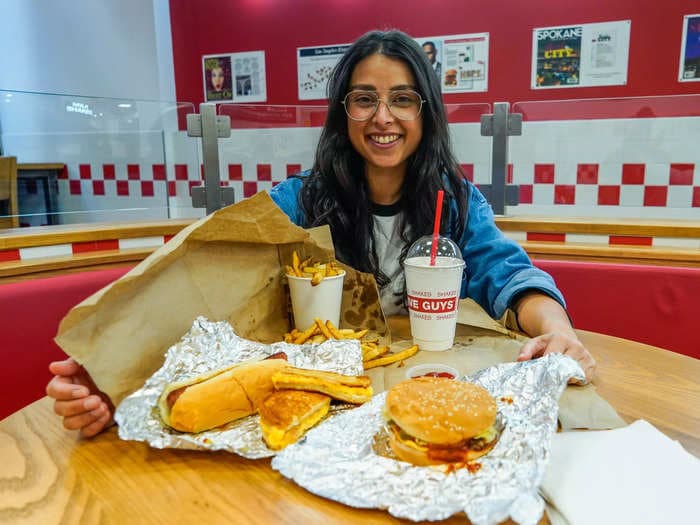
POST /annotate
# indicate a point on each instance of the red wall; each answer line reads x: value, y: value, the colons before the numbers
x: 280, y: 26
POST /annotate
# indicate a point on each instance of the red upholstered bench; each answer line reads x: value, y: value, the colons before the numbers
x: 30, y: 311
x: 656, y: 305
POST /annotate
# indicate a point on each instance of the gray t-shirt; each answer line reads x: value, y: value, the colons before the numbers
x: 388, y: 245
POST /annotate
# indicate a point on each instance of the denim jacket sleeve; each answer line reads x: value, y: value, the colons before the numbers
x: 285, y: 195
x: 497, y: 268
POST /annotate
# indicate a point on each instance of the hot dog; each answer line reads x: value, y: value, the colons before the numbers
x: 218, y: 397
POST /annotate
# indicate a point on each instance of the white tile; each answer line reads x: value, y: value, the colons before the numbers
x: 516, y: 235
x: 656, y: 174
x: 565, y: 172
x: 586, y: 238
x: 631, y: 196
x: 586, y: 194
x: 141, y: 242
x: 679, y: 197
x: 676, y: 242
x: 38, y: 252
x: 543, y: 194
x: 609, y: 174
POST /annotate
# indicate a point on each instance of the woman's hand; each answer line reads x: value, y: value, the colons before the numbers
x: 77, y: 399
x: 560, y: 343
x: 547, y: 323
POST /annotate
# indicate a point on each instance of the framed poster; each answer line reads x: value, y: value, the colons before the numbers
x: 235, y: 77
x: 217, y: 78
x: 580, y: 55
x: 314, y: 66
x: 249, y: 77
x: 689, y: 69
x: 459, y: 61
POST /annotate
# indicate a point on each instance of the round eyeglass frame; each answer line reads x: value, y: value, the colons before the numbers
x: 421, y: 101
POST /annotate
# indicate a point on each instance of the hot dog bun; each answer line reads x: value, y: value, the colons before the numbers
x: 218, y: 397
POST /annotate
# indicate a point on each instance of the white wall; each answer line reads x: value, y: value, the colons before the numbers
x: 98, y: 48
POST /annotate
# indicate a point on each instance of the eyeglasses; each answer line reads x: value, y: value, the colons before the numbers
x: 405, y: 104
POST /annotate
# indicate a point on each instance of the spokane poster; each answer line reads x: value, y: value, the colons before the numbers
x: 580, y: 55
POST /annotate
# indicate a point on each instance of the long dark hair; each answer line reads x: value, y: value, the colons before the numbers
x: 336, y: 193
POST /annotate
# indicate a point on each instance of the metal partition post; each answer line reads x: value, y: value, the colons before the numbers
x: 500, y: 125
x: 210, y: 127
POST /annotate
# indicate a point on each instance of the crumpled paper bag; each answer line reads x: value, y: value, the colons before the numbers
x: 227, y: 266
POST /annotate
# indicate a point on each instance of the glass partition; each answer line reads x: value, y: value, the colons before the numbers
x: 269, y: 143
x: 86, y: 159
x: 473, y: 151
x: 610, y: 158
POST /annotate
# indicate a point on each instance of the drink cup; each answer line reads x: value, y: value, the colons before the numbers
x: 322, y: 301
x: 433, y: 295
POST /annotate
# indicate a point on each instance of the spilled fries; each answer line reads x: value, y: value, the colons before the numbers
x: 373, y: 354
x: 316, y: 271
x: 391, y: 358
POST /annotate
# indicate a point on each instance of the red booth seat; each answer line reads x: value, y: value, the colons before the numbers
x: 30, y: 311
x: 656, y: 305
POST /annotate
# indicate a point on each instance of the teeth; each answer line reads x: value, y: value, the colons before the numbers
x: 385, y: 139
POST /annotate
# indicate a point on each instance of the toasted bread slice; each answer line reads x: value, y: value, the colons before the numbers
x: 352, y: 389
x: 286, y: 415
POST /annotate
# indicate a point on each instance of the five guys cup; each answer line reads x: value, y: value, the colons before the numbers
x: 322, y: 301
x: 433, y: 291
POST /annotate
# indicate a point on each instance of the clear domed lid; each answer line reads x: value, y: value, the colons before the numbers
x: 446, y: 247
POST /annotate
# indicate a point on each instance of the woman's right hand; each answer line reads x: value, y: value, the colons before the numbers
x: 77, y: 400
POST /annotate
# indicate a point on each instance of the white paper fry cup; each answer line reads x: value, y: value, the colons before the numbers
x: 322, y: 301
x: 433, y: 296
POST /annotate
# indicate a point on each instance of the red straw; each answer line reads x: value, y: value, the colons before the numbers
x: 436, y: 227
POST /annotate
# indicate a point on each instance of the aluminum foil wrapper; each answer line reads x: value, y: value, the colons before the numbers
x: 209, y: 346
x: 343, y: 459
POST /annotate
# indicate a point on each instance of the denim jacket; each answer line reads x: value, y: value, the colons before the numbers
x: 497, y: 269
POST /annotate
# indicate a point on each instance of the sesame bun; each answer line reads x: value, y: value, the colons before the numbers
x: 440, y: 411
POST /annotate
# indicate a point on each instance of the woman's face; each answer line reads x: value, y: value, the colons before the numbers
x: 384, y: 141
x: 217, y: 78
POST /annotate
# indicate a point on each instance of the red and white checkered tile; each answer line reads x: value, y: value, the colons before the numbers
x: 67, y: 249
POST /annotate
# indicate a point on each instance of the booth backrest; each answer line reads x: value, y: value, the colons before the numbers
x: 656, y: 305
x: 30, y: 312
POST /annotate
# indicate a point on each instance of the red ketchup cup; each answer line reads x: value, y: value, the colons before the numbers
x: 432, y: 370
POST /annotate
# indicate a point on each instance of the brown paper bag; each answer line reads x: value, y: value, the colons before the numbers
x: 226, y: 266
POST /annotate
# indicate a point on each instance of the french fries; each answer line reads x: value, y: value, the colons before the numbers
x: 373, y: 354
x: 391, y: 358
x: 316, y: 271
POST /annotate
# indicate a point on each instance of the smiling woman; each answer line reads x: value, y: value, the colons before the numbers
x: 383, y: 155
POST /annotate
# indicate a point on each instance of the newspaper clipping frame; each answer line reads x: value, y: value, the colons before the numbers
x: 580, y: 55
x: 689, y: 65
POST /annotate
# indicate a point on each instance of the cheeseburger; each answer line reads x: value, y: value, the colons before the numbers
x: 435, y: 420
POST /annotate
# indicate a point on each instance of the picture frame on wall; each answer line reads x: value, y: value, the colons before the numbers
x: 689, y: 65
x: 235, y: 77
x: 580, y: 55
x: 218, y: 84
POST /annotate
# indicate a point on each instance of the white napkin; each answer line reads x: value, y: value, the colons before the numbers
x: 634, y: 475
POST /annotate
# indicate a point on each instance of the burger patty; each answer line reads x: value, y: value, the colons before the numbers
x: 446, y: 453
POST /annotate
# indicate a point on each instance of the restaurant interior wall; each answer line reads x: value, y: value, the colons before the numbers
x: 560, y: 166
x: 639, y: 165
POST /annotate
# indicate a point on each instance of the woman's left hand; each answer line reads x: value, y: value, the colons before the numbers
x: 561, y: 343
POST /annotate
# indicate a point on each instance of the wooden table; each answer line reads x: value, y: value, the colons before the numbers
x: 49, y: 475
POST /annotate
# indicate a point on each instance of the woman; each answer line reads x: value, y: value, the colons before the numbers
x: 383, y: 154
